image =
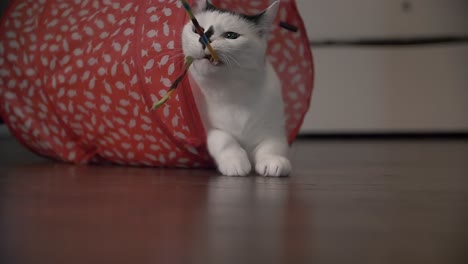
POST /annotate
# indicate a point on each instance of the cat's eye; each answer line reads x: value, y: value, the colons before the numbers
x: 231, y: 35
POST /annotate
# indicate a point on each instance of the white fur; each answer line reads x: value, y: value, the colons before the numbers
x: 240, y: 101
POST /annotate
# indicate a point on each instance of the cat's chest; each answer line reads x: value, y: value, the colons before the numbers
x: 232, y: 118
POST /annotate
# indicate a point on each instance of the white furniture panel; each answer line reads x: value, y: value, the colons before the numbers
x: 351, y: 19
x: 390, y: 89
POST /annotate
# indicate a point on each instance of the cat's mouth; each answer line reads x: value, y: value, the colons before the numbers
x: 212, y: 61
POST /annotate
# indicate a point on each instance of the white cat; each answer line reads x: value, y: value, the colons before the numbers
x: 240, y: 101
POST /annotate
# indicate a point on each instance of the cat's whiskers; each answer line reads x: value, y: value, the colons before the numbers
x: 174, y: 57
x: 234, y: 59
x: 169, y: 52
x: 227, y: 61
x: 179, y: 63
x: 171, y: 49
x: 232, y: 49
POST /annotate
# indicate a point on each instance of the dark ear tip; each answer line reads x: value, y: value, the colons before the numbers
x: 209, y: 5
x: 289, y: 27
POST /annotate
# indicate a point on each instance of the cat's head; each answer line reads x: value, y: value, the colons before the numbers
x: 239, y: 40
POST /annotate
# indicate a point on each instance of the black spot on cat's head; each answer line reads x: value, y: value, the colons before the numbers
x: 255, y: 19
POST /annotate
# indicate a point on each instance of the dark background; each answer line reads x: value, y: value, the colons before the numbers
x: 3, y: 6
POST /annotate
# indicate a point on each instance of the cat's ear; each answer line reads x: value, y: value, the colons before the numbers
x: 268, y: 17
x: 203, y: 5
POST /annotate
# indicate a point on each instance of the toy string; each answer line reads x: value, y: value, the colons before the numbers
x: 205, y: 41
x: 188, y: 60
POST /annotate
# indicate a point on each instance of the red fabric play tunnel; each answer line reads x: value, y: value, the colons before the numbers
x: 77, y: 79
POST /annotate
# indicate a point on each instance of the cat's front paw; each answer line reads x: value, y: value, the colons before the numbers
x: 234, y: 163
x: 273, y: 166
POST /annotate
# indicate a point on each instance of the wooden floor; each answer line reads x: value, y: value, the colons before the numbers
x: 346, y: 202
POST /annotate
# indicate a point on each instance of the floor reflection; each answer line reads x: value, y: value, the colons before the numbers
x: 86, y: 213
x: 267, y: 216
